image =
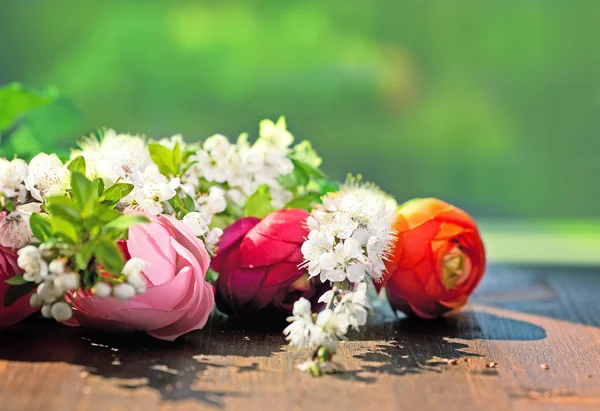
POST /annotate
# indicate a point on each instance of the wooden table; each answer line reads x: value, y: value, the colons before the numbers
x: 520, y: 317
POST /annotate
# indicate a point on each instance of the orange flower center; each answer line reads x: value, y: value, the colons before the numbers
x: 456, y: 268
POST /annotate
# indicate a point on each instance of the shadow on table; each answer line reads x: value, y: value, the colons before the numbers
x: 175, y: 369
x: 171, y: 368
x: 429, y: 345
x: 565, y: 293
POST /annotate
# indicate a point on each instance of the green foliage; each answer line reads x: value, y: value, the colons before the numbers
x: 86, y: 223
x: 16, y: 291
x: 168, y: 161
x: 33, y: 121
x: 259, y: 203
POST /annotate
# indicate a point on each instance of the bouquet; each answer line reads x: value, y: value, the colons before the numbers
x: 136, y: 234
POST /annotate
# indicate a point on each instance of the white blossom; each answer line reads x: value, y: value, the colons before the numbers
x: 35, y: 300
x: 46, y: 311
x: 125, y: 158
x: 12, y: 176
x: 30, y: 260
x: 61, y: 311
x: 196, y: 223
x: 134, y: 266
x: 212, y: 239
x: 67, y: 282
x: 102, y: 290
x: 239, y: 169
x: 57, y: 266
x: 123, y: 291
x: 47, y: 177
x: 353, y: 306
x: 302, y: 329
x: 14, y: 230
x: 350, y: 234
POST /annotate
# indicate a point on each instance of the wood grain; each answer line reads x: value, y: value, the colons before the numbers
x: 520, y: 317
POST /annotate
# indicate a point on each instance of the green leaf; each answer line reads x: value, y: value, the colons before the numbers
x: 77, y: 165
x: 176, y: 158
x: 323, y: 186
x: 89, y: 279
x: 34, y: 121
x: 109, y: 255
x: 61, y: 206
x: 40, y: 226
x: 16, y: 100
x: 99, y: 184
x: 106, y: 214
x: 163, y: 158
x: 221, y: 221
x: 259, y: 204
x: 84, y: 255
x: 15, y: 292
x: 83, y: 190
x: 305, y: 202
x: 125, y: 221
x: 65, y: 229
x: 178, y: 205
x: 116, y: 192
x: 308, y: 169
x: 305, y: 153
x: 189, y: 204
x: 16, y: 280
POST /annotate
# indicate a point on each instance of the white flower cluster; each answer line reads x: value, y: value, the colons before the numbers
x: 56, y: 280
x: 125, y: 158
x: 350, y: 234
x: 198, y: 225
x: 44, y: 176
x: 134, y: 282
x: 234, y: 171
x: 345, y: 309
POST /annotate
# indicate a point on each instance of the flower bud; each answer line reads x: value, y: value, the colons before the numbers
x: 123, y: 292
x: 134, y: 266
x: 67, y: 282
x: 102, y: 290
x: 48, y: 292
x: 57, y: 266
x: 35, y: 300
x: 137, y: 282
x: 61, y: 311
x: 46, y: 311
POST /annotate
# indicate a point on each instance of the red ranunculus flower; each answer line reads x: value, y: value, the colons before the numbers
x: 21, y: 309
x: 257, y: 261
x: 438, y: 259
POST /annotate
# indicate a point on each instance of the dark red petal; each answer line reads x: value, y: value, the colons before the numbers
x: 244, y: 283
x: 284, y: 225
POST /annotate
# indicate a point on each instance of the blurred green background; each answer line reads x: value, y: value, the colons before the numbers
x: 490, y: 105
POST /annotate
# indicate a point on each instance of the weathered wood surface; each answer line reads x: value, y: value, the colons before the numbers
x: 520, y: 318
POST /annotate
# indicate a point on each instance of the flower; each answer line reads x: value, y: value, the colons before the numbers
x: 12, y: 175
x: 47, y: 177
x: 350, y: 234
x: 438, y: 260
x: 21, y: 309
x: 30, y: 260
x: 257, y: 261
x: 353, y: 306
x: 14, y: 230
x: 125, y: 158
x: 177, y: 299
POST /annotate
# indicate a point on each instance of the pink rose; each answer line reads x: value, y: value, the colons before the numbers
x: 21, y: 309
x: 177, y: 299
